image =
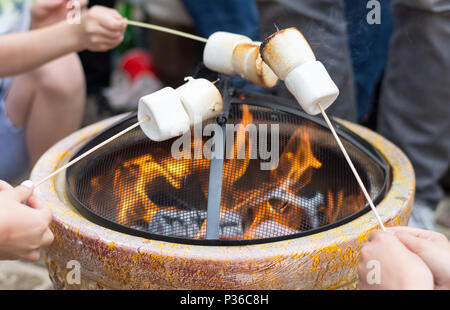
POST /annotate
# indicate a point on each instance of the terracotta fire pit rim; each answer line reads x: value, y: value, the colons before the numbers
x: 68, y: 218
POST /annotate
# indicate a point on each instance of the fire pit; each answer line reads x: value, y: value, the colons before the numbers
x: 134, y: 217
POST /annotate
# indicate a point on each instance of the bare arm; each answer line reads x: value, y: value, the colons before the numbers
x: 101, y: 29
x: 21, y: 52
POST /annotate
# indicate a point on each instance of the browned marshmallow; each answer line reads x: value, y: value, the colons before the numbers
x: 285, y: 50
x: 248, y: 63
x: 289, y: 55
x: 229, y: 53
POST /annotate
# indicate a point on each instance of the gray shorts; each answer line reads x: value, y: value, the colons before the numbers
x: 13, y: 150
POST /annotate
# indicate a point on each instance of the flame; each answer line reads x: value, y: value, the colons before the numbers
x: 242, y: 143
x: 135, y: 178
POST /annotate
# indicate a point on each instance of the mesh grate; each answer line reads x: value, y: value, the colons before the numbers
x: 134, y: 185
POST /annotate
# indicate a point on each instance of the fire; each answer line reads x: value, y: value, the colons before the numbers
x: 273, y: 207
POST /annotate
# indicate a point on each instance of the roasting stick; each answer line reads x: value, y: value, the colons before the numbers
x: 352, y: 167
x: 144, y: 119
x: 168, y: 30
x: 74, y: 161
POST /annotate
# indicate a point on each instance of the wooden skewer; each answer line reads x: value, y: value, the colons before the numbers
x: 352, y: 167
x: 74, y: 161
x: 91, y: 151
x: 167, y: 30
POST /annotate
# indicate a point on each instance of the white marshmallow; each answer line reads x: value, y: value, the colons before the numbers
x: 201, y: 99
x: 311, y: 84
x: 285, y: 50
x: 167, y: 116
x: 218, y: 52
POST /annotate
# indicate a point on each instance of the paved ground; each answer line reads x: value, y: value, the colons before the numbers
x: 22, y: 275
x: 18, y: 275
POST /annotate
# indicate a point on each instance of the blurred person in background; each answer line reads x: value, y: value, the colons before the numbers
x: 413, y: 96
x: 324, y: 25
x: 176, y: 57
x: 414, y: 110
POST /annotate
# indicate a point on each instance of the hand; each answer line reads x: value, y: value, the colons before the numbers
x: 432, y: 247
x: 23, y: 229
x: 48, y: 12
x: 399, y: 268
x: 101, y: 29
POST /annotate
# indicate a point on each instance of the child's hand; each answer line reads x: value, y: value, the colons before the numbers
x: 432, y: 247
x: 399, y: 268
x: 101, y: 29
x: 23, y: 229
x: 48, y: 12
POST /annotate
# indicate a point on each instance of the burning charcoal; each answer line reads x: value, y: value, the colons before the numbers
x: 270, y: 229
x: 308, y: 204
x: 314, y: 202
x: 177, y: 223
x: 187, y: 224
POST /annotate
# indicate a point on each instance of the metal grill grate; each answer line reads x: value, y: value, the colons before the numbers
x: 134, y: 185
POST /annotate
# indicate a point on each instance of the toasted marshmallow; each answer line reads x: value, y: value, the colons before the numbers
x: 285, y: 50
x: 241, y: 55
x: 167, y: 116
x: 218, y: 52
x: 201, y: 100
x: 311, y: 85
x: 248, y: 64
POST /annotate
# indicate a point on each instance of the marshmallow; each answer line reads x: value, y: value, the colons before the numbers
x: 248, y: 64
x: 311, y: 84
x: 218, y: 53
x: 201, y: 99
x: 167, y: 116
x: 241, y: 55
x: 285, y: 50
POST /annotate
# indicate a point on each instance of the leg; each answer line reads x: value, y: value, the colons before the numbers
x: 414, y: 111
x: 48, y: 102
x: 324, y: 26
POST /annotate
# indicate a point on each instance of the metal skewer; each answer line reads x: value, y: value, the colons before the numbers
x: 352, y: 167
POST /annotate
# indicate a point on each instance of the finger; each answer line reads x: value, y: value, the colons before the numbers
x: 21, y: 193
x: 114, y: 22
x: 377, y: 235
x: 4, y: 185
x: 362, y: 275
x: 8, y: 256
x: 49, y: 4
x: 32, y: 256
x: 417, y: 232
x: 47, y: 238
x: 105, y: 33
x: 412, y: 243
x: 83, y: 3
x: 42, y: 208
x: 35, y: 203
x: 107, y: 44
x: 47, y: 215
